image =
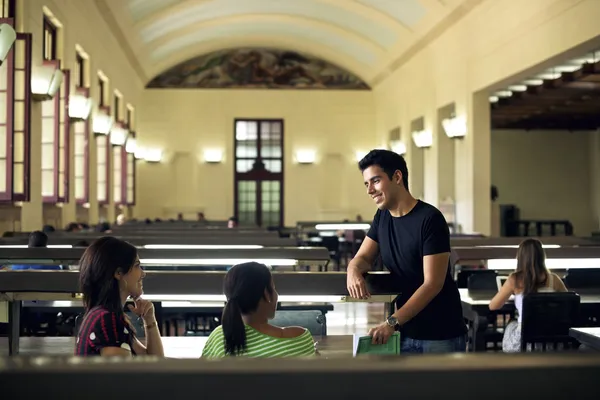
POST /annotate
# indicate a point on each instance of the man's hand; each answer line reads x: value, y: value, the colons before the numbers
x: 381, y: 333
x: 356, y: 285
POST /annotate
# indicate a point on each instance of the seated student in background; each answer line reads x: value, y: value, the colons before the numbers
x: 36, y: 239
x: 531, y: 276
x: 110, y: 273
x: 245, y: 330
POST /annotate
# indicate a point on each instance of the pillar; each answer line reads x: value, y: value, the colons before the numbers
x: 32, y: 211
x: 473, y: 167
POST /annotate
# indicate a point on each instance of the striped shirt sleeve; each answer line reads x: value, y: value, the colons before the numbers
x: 108, y: 330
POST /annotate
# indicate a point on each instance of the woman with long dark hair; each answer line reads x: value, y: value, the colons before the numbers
x: 110, y: 273
x: 531, y: 276
x: 245, y: 329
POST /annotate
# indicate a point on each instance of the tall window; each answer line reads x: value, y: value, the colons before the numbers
x: 129, y: 159
x: 8, y: 8
x: 117, y: 108
x: 15, y: 89
x: 259, y: 172
x: 49, y: 45
x: 101, y: 91
x: 117, y: 153
x: 103, y: 147
x: 79, y: 73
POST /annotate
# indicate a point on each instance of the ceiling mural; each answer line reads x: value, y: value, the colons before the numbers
x: 257, y: 68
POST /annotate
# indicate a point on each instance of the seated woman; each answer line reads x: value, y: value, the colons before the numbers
x: 531, y: 276
x: 110, y: 273
x: 245, y: 330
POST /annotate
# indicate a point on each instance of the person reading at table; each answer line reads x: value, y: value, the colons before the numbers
x: 531, y: 276
x: 110, y: 273
x: 245, y: 329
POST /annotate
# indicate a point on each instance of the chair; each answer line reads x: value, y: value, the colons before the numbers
x: 546, y: 320
x: 313, y: 320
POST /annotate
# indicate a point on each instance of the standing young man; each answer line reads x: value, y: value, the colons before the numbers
x: 414, y: 242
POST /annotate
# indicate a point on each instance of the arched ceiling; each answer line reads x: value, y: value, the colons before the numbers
x: 363, y: 37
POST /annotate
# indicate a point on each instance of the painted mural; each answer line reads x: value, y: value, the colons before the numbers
x: 257, y: 69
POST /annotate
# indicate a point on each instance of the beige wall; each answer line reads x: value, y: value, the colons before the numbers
x: 547, y: 174
x: 497, y: 43
x: 81, y: 24
x: 184, y: 122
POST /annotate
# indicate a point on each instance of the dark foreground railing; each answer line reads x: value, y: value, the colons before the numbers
x: 468, y: 376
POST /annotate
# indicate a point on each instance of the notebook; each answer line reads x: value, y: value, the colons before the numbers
x: 362, y: 344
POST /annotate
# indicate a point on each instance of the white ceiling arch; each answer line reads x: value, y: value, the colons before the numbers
x: 306, y: 9
x: 367, y: 34
x: 364, y: 53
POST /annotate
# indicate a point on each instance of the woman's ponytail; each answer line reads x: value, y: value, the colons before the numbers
x: 234, y: 329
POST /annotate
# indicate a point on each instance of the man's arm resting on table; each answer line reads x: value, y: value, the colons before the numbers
x: 435, y: 267
x: 365, y: 256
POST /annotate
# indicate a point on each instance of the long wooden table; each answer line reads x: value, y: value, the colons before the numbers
x: 477, y: 309
x: 589, y: 337
x: 183, y: 347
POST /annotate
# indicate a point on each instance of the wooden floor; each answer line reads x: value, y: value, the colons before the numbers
x: 345, y: 320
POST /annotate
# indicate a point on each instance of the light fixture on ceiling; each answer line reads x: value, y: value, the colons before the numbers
x: 455, y: 127
x: 213, y: 156
x: 140, y: 153
x: 102, y: 123
x: 398, y: 147
x: 306, y: 156
x: 8, y: 36
x: 493, y: 99
x: 131, y: 145
x: 118, y: 135
x: 359, y: 155
x: 80, y: 107
x: 423, y: 139
x: 153, y: 155
x: 45, y: 82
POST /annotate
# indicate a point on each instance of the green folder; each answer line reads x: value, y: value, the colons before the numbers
x: 392, y: 347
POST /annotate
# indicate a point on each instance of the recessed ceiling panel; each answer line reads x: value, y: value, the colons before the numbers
x: 311, y: 9
x: 257, y: 68
x: 337, y: 43
x: 407, y: 12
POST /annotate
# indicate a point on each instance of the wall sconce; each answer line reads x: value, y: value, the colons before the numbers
x: 131, y: 146
x: 80, y: 107
x: 306, y: 156
x: 118, y: 135
x: 213, y: 156
x: 8, y: 36
x: 45, y: 82
x: 102, y: 123
x: 153, y: 155
x: 455, y: 127
x: 423, y: 139
x: 398, y: 147
x: 140, y: 153
x: 360, y: 155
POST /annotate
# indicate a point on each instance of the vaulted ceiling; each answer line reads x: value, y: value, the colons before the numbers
x: 364, y: 37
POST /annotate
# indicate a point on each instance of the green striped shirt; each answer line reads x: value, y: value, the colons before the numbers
x: 260, y: 345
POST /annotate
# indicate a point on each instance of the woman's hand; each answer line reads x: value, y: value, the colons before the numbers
x: 143, y: 309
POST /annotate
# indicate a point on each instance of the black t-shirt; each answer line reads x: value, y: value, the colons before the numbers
x: 403, y: 242
x: 102, y: 328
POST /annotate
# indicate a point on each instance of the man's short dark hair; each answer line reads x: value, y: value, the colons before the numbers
x: 388, y: 161
x: 233, y: 219
x: 38, y: 239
